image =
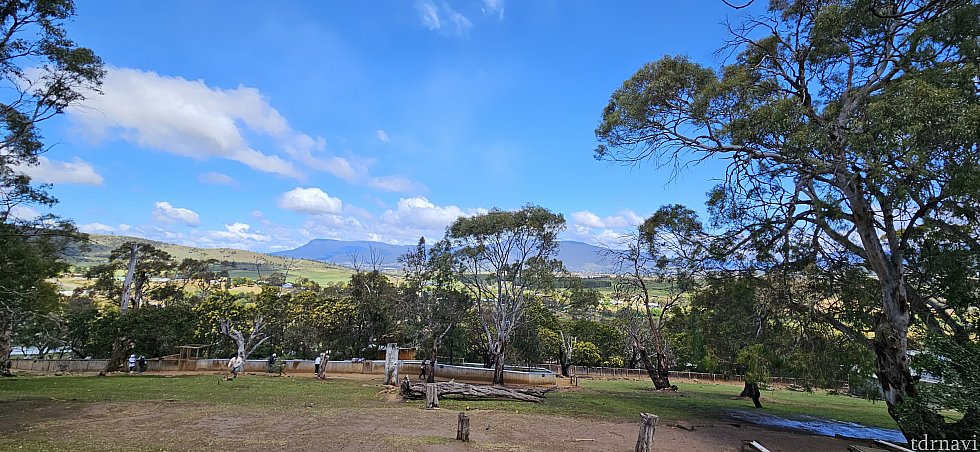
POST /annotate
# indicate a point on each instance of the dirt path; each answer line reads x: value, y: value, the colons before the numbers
x: 190, y: 426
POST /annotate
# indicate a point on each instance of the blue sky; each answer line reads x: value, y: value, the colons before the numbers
x: 262, y: 125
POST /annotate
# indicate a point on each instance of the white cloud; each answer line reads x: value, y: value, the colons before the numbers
x: 23, y: 213
x: 435, y: 20
x: 192, y: 119
x: 623, y: 219
x: 429, y: 14
x: 97, y: 228
x: 184, y: 117
x: 166, y: 213
x: 312, y: 201
x: 419, y: 211
x: 587, y: 218
x: 77, y: 171
x: 236, y: 232
x: 383, y: 136
x: 493, y: 6
x: 396, y: 184
x: 608, y: 231
x: 217, y: 179
x: 462, y: 24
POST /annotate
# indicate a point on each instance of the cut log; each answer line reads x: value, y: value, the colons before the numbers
x: 431, y: 396
x: 411, y: 390
x: 463, y: 428
x: 648, y: 427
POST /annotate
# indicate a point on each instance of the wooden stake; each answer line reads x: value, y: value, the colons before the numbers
x: 648, y: 427
x: 463, y: 429
x: 431, y: 396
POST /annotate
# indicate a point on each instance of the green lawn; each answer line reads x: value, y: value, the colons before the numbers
x: 612, y: 400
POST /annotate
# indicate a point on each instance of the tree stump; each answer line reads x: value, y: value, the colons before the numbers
x: 431, y: 396
x: 648, y: 426
x: 463, y: 429
x: 391, y: 364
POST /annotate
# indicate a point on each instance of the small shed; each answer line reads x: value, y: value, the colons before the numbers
x: 403, y: 353
x: 189, y: 354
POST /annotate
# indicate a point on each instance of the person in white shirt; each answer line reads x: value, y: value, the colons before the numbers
x: 132, y: 363
x: 316, y: 364
x: 235, y: 364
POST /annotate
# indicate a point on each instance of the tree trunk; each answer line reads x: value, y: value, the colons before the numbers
x: 391, y: 364
x: 137, y: 298
x: 751, y: 390
x: 498, y: 367
x: 746, y: 390
x: 6, y: 345
x: 430, y: 374
x: 414, y: 390
x: 659, y: 376
x: 663, y: 370
x: 120, y: 348
x: 914, y: 417
x: 128, y: 281
x: 565, y: 364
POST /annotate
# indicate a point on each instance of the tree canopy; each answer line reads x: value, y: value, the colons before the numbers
x: 849, y: 129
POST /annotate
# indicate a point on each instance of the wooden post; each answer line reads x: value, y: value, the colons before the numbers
x: 391, y: 364
x: 431, y: 396
x: 463, y: 428
x: 648, y: 427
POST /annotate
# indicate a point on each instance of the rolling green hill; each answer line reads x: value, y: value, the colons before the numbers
x: 239, y: 263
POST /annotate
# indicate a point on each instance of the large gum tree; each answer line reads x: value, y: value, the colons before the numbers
x: 850, y: 132
x: 42, y: 72
x: 504, y: 259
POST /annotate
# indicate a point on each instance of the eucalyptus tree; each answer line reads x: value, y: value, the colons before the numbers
x: 42, y: 72
x: 504, y: 258
x: 849, y: 129
x: 656, y: 271
x: 432, y: 305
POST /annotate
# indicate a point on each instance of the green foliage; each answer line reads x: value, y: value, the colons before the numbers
x: 957, y: 365
x: 585, y: 353
x: 753, y: 359
x: 158, y: 330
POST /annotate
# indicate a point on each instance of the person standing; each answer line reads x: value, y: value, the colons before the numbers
x: 422, y: 370
x: 272, y: 362
x: 142, y: 363
x: 316, y: 364
x: 132, y: 363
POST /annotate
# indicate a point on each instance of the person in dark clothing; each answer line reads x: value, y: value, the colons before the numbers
x: 272, y: 362
x: 142, y: 363
x: 422, y: 370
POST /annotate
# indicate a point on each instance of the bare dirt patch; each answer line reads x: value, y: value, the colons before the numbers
x: 190, y: 426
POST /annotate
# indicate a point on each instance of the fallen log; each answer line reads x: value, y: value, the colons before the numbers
x: 411, y: 390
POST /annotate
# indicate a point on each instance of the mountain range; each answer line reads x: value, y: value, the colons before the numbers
x: 578, y: 257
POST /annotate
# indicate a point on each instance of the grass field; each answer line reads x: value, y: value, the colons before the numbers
x: 601, y: 399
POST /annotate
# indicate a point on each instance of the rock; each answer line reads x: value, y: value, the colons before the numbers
x: 684, y: 425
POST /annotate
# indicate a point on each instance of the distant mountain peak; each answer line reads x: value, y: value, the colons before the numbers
x: 579, y: 257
